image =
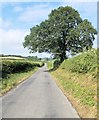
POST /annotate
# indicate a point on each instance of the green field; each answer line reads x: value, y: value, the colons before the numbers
x: 13, y: 58
x: 15, y: 71
x: 77, y: 77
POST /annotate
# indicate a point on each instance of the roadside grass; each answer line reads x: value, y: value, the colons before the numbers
x: 82, y: 94
x: 77, y: 77
x: 14, y: 80
x: 50, y: 64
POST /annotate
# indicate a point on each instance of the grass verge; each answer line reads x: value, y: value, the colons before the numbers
x: 77, y: 77
x: 14, y: 80
x: 80, y: 89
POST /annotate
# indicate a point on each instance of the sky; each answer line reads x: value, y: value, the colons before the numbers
x: 18, y: 16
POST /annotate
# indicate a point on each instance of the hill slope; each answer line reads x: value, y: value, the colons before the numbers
x: 77, y: 77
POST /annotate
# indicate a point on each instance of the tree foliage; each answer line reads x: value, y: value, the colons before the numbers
x: 64, y: 31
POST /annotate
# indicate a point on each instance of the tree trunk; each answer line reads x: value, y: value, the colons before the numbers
x: 63, y: 57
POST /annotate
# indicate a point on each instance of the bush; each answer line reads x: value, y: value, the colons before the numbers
x: 56, y: 63
x: 83, y: 63
x: 17, y: 66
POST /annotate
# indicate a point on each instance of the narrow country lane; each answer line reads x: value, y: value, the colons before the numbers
x: 37, y: 97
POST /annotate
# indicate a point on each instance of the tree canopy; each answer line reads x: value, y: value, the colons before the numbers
x: 64, y: 31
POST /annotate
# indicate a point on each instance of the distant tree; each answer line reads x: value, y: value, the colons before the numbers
x: 63, y: 32
x: 1, y: 55
x: 34, y: 58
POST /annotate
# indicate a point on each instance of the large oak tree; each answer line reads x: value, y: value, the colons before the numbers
x: 64, y: 31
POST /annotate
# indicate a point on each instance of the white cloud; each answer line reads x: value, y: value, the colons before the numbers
x: 18, y: 9
x: 5, y: 24
x: 12, y: 41
x: 38, y: 6
x: 35, y: 13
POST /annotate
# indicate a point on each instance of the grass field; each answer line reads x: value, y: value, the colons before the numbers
x: 14, y: 58
x: 77, y: 77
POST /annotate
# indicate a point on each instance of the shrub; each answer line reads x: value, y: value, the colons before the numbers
x: 56, y: 63
x: 17, y: 66
x: 83, y: 63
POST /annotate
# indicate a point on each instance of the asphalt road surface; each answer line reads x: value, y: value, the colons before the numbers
x: 37, y: 97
